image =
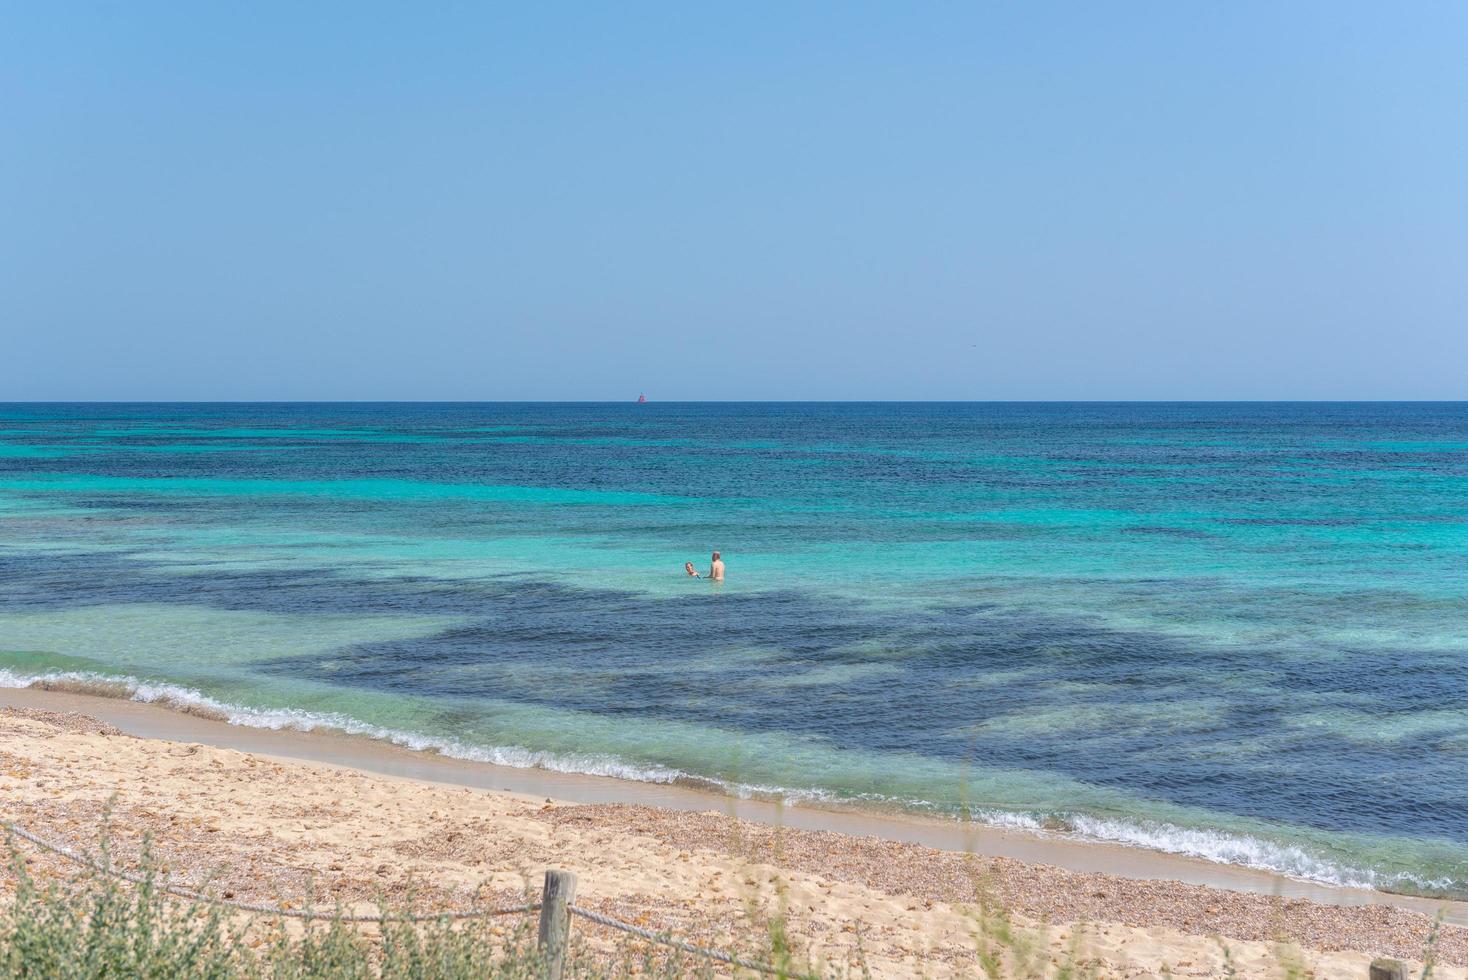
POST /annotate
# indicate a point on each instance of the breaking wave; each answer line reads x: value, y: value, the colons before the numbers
x: 189, y: 701
x: 1219, y: 847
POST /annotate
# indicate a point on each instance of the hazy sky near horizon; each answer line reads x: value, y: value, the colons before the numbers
x: 546, y: 201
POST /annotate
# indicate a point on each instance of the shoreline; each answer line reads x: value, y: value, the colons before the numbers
x: 367, y: 755
x: 281, y: 832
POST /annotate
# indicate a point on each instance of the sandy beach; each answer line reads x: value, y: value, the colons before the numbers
x: 262, y: 827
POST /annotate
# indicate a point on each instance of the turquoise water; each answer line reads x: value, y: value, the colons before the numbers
x: 1234, y: 631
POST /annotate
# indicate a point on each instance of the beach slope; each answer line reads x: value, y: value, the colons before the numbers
x: 273, y: 830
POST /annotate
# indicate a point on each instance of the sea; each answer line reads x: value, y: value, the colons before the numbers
x: 1232, y: 631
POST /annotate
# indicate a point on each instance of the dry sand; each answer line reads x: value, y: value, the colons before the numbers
x: 266, y: 829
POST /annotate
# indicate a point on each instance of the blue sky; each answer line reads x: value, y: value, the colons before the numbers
x: 948, y: 201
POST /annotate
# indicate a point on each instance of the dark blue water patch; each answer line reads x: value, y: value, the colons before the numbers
x: 570, y: 649
x: 32, y: 582
x: 1168, y: 532
x: 604, y: 627
x: 1292, y: 521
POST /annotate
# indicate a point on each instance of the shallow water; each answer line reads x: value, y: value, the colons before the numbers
x: 1236, y: 631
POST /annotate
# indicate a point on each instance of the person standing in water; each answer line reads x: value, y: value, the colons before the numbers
x: 716, y: 569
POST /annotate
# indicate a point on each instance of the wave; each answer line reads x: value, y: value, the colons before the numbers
x: 1216, y: 846
x: 193, y: 702
x: 1221, y: 847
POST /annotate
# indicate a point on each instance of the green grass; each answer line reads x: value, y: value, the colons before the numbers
x: 94, y: 926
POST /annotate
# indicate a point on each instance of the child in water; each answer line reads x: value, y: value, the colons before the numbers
x: 692, y: 572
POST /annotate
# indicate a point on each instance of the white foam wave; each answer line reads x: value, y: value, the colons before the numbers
x: 1223, y: 848
x: 294, y: 719
x: 1008, y: 820
x: 1217, y: 846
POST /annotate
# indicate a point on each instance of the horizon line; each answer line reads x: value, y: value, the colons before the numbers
x: 756, y: 401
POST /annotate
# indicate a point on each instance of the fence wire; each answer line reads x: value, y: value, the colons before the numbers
x: 666, y: 940
x: 196, y: 896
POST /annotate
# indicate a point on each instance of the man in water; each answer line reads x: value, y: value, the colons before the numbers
x: 716, y: 569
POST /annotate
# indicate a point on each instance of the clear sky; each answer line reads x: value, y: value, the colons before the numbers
x: 309, y: 200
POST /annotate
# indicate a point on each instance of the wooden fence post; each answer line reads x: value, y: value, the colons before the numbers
x: 555, y: 920
x: 1385, y: 969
